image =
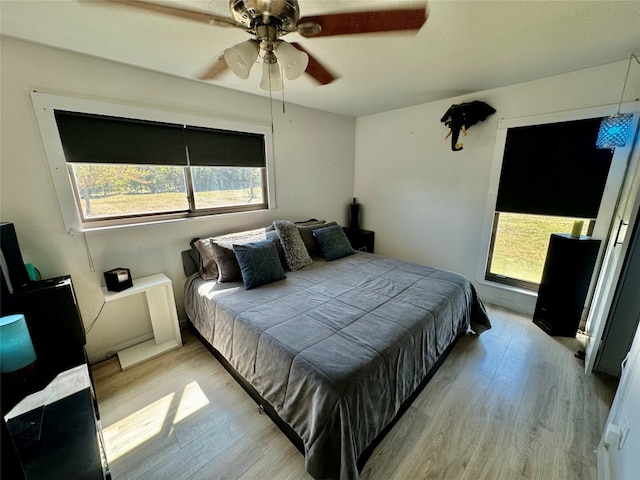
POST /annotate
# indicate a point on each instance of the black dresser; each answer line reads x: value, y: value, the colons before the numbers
x: 50, y: 418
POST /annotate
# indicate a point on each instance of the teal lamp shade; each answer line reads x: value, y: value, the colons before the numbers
x: 16, y: 349
x: 614, y: 131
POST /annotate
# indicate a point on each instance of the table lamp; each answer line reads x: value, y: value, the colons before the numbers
x: 16, y: 354
x: 16, y: 348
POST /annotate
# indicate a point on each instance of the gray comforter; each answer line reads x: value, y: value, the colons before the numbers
x: 338, y: 346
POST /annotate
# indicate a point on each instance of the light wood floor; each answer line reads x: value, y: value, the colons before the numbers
x: 510, y: 404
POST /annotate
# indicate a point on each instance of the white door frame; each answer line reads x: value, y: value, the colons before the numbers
x: 615, y: 253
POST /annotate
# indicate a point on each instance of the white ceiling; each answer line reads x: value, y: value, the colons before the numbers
x: 465, y: 46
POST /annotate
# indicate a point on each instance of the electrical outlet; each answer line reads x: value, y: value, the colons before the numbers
x: 624, y: 433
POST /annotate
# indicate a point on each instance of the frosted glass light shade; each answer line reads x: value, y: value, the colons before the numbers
x: 16, y: 349
x: 271, y: 78
x: 241, y: 57
x: 614, y: 131
x: 294, y: 62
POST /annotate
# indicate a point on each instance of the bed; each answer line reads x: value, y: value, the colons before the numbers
x: 336, y: 349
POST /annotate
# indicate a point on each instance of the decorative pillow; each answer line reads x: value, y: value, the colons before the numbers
x: 259, y: 263
x: 306, y: 233
x: 224, y: 260
x: 311, y: 221
x: 207, y: 262
x: 294, y: 250
x: 333, y: 242
x: 228, y: 268
x: 273, y: 235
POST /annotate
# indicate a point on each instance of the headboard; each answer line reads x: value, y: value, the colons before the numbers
x: 189, y: 266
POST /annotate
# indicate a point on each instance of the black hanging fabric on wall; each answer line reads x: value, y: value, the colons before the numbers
x: 554, y: 169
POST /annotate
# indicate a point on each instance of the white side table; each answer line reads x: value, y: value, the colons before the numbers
x: 164, y: 319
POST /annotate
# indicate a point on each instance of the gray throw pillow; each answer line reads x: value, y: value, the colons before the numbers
x: 294, y: 249
x: 228, y: 268
x: 207, y: 264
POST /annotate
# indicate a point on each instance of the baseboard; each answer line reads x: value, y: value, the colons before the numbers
x: 109, y: 352
x: 516, y: 301
x: 604, y: 472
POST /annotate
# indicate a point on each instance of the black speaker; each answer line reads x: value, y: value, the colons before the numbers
x: 14, y: 273
x: 354, y: 215
x: 565, y: 283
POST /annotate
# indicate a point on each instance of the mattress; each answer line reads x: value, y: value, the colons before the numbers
x: 336, y: 348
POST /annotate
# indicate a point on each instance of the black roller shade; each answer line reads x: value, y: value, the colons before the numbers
x: 88, y: 138
x: 554, y: 169
x: 224, y: 148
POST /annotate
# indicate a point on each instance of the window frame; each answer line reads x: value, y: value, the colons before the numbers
x: 610, y: 195
x: 45, y: 106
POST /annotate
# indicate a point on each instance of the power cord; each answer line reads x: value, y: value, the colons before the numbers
x: 95, y: 319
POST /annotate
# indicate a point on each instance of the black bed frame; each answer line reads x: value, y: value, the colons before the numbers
x: 286, y: 428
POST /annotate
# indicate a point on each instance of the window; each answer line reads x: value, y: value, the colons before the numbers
x: 125, y: 170
x: 116, y: 165
x: 519, y: 246
x: 551, y: 175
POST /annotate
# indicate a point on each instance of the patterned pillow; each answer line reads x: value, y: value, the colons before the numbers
x: 294, y: 250
x: 259, y: 263
x: 333, y: 242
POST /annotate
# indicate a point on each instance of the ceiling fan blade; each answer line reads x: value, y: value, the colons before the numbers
x: 315, y: 69
x: 363, y: 22
x: 179, y: 12
x: 216, y: 69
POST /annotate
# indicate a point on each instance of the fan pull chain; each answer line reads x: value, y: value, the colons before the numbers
x: 283, y: 82
x: 271, y: 104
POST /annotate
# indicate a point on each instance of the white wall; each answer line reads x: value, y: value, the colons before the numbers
x: 427, y: 203
x: 314, y: 176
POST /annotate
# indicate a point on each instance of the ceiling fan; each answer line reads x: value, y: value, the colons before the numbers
x: 269, y: 20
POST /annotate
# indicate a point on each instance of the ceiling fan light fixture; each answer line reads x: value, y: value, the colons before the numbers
x: 241, y: 57
x: 271, y: 78
x: 294, y: 62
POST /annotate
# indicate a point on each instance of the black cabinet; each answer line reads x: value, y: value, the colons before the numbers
x: 565, y: 283
x: 52, y: 427
x: 55, y: 325
x: 69, y: 444
x: 360, y: 239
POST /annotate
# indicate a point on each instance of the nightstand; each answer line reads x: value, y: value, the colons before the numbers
x: 361, y: 240
x: 164, y: 319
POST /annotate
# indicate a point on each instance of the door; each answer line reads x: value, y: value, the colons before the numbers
x: 615, y: 253
x: 625, y: 311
